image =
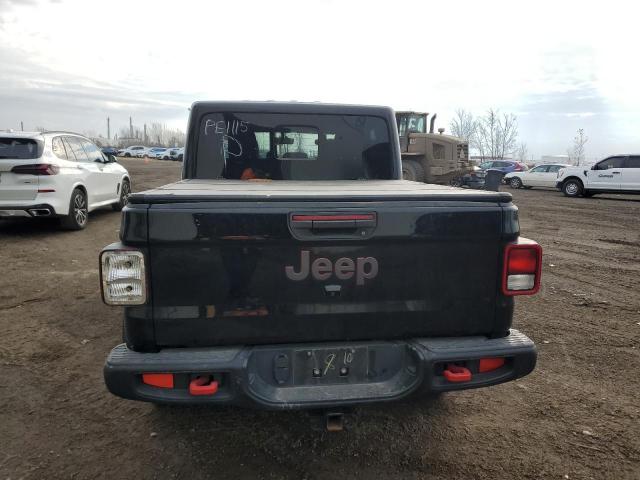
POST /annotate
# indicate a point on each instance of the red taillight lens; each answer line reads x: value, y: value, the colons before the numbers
x: 160, y: 380
x: 522, y: 260
x: 36, y: 169
x: 490, y: 364
x: 522, y: 268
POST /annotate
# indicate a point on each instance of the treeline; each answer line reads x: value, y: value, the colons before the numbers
x: 493, y: 135
x: 155, y: 134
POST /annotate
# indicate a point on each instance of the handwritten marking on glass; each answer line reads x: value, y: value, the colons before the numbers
x: 230, y: 145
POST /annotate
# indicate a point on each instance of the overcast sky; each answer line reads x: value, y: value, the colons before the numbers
x: 557, y: 65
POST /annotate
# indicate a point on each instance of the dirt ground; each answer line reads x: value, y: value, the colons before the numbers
x: 577, y: 416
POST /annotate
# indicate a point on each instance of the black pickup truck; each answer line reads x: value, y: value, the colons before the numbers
x: 292, y: 267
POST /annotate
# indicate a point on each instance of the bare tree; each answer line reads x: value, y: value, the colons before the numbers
x: 464, y: 126
x: 522, y: 152
x: 497, y: 134
x: 579, y: 141
x: 508, y: 134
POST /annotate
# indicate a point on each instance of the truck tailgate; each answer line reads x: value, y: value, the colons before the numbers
x: 298, y: 267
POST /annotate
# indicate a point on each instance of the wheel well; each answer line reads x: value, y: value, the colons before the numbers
x: 573, y: 178
x: 124, y: 177
x: 80, y: 187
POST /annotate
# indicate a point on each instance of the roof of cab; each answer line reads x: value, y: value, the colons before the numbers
x: 288, y: 107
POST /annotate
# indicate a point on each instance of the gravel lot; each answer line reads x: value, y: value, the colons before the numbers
x: 577, y: 416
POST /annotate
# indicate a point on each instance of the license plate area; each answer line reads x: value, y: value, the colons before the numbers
x: 325, y: 366
x: 307, y: 365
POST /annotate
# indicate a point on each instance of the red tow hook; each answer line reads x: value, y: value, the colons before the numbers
x: 455, y: 373
x: 203, y: 385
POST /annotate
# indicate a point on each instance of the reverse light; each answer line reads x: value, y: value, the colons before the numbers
x: 36, y: 169
x: 522, y: 268
x: 123, y: 277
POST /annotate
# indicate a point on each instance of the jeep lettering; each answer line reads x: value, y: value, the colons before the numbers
x: 364, y: 268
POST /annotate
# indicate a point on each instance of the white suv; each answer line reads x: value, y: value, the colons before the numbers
x: 134, y: 151
x: 58, y: 174
x: 617, y: 174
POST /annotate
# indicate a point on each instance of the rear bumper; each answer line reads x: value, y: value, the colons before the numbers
x: 280, y: 376
x: 27, y: 211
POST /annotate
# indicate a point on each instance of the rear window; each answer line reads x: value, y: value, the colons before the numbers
x: 19, y: 148
x: 293, y: 147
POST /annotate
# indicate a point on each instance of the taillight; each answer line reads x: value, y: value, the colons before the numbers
x: 522, y: 268
x: 37, y: 169
x: 123, y: 277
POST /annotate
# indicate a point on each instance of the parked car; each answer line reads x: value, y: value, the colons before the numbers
x: 504, y: 166
x: 110, y: 151
x: 154, y: 151
x: 616, y: 174
x: 179, y: 154
x: 157, y: 153
x: 472, y: 179
x: 377, y: 288
x: 133, y: 151
x: 539, y: 176
x: 475, y: 178
x: 57, y: 174
x: 169, y: 154
x: 165, y: 154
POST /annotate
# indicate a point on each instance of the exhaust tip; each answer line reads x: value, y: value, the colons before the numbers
x: 40, y: 212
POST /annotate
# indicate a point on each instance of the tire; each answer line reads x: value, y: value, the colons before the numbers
x: 127, y: 154
x: 125, y: 191
x: 572, y: 188
x: 456, y: 182
x: 78, y: 211
x: 515, y: 182
x: 412, y: 170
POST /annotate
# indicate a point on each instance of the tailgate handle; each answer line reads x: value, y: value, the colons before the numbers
x: 334, y: 221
